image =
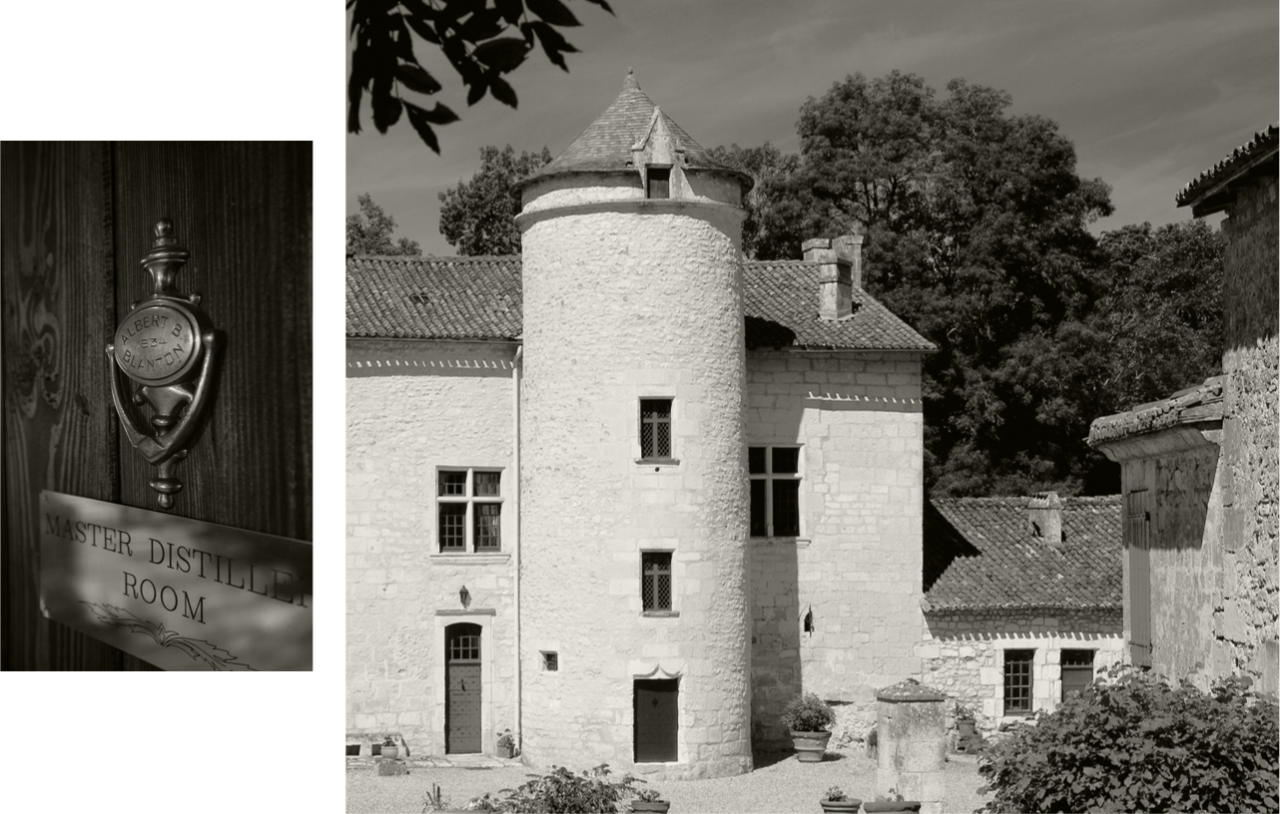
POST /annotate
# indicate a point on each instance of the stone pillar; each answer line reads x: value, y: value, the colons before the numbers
x: 910, y: 735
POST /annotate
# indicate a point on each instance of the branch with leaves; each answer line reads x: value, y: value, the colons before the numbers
x: 475, y: 36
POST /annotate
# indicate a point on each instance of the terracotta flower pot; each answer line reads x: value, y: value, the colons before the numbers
x: 391, y: 752
x: 653, y: 806
x: 850, y: 805
x: 504, y: 750
x: 810, y: 746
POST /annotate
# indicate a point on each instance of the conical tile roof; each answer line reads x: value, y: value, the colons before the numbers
x: 605, y: 146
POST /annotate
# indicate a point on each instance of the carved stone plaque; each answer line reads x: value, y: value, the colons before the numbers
x: 181, y: 594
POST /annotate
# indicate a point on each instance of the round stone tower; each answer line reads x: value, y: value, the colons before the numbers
x: 634, y: 502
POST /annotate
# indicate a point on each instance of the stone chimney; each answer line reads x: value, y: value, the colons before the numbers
x: 841, y: 271
x: 1044, y: 514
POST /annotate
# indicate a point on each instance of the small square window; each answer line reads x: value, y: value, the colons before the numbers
x: 655, y: 428
x: 453, y: 484
x: 655, y: 580
x: 786, y: 460
x: 1077, y: 671
x: 659, y: 182
x: 488, y: 526
x: 550, y: 661
x: 1017, y: 681
x: 453, y: 527
x: 487, y: 484
x: 469, y: 510
x: 786, y: 508
x: 775, y: 477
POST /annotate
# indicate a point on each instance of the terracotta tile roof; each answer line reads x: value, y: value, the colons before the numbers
x: 784, y: 294
x: 980, y: 553
x: 1200, y: 403
x: 1264, y: 144
x: 480, y: 298
x: 434, y: 297
x: 606, y: 143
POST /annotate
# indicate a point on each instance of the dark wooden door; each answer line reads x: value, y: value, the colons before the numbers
x: 462, y: 710
x: 75, y: 219
x: 657, y: 717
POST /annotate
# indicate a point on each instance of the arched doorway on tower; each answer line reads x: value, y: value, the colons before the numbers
x: 462, y: 709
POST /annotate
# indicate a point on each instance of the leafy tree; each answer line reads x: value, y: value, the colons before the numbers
x: 781, y: 210
x: 1164, y: 313
x: 976, y: 225
x: 478, y: 216
x: 472, y: 34
x: 369, y: 232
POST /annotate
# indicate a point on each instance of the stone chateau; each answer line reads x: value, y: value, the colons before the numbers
x: 627, y: 494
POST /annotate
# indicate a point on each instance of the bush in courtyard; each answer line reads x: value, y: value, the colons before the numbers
x: 808, y: 713
x: 1132, y: 742
x: 560, y: 791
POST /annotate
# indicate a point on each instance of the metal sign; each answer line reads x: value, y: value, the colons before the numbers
x: 181, y: 594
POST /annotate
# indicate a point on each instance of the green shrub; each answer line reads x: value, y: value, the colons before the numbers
x: 1132, y: 742
x: 808, y: 713
x: 560, y: 791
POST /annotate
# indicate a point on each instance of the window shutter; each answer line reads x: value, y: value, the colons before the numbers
x: 1137, y: 538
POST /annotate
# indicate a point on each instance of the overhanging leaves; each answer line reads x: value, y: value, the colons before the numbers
x: 418, y: 118
x: 468, y: 32
x: 416, y: 78
x: 386, y: 107
x: 553, y: 44
x: 553, y: 11
x: 502, y: 91
x: 504, y: 53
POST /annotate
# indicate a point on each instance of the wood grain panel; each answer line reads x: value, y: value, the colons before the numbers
x: 60, y: 429
x: 243, y: 210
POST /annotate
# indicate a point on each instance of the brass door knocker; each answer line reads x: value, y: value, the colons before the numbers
x: 167, y: 347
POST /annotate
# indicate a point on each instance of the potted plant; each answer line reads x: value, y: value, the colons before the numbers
x: 809, y: 719
x: 649, y: 800
x: 837, y: 800
x: 506, y: 744
x: 965, y: 720
x: 389, y: 748
x: 891, y: 802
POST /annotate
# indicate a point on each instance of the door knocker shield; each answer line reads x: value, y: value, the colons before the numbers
x: 167, y: 348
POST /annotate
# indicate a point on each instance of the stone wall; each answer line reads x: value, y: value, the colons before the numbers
x: 1185, y: 533
x: 1245, y: 620
x: 856, y: 567
x: 963, y: 653
x: 413, y: 407
x: 627, y: 299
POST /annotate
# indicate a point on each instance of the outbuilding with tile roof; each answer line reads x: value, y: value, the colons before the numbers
x: 1200, y: 469
x: 1022, y: 599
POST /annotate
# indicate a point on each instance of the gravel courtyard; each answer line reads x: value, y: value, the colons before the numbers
x: 784, y: 785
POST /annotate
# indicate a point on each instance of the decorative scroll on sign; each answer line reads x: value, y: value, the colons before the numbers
x: 178, y: 593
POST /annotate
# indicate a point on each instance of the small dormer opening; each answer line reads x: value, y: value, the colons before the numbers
x: 659, y: 181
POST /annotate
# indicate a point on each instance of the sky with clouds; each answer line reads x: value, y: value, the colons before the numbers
x: 1151, y: 92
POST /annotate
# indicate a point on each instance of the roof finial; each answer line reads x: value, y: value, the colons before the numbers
x: 631, y: 83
